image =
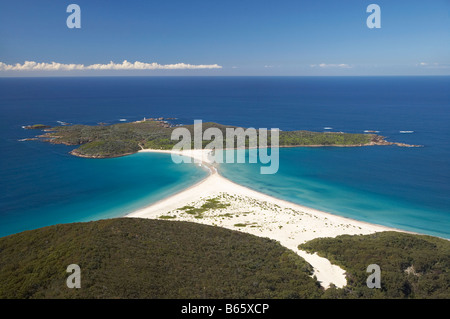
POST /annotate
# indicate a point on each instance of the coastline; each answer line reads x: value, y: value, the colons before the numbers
x: 259, y: 214
x: 73, y: 139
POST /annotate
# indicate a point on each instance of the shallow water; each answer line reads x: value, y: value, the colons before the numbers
x: 41, y: 184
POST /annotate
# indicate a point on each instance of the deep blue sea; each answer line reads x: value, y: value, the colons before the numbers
x: 407, y: 188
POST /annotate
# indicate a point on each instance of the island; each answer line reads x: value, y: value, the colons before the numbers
x: 105, y: 141
x: 36, y: 127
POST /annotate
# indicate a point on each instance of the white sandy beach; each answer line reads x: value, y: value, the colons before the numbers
x: 259, y: 214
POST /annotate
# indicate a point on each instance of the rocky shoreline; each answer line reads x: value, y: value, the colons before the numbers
x: 380, y: 140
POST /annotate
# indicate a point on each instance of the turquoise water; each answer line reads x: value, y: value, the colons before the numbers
x: 335, y: 180
x: 78, y: 189
x: 408, y: 188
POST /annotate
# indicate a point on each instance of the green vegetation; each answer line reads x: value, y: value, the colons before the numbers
x: 107, y: 147
x: 127, y: 138
x: 167, y: 217
x: 141, y: 258
x: 294, y: 138
x: 229, y: 215
x: 412, y: 266
x: 210, y: 204
x: 37, y: 127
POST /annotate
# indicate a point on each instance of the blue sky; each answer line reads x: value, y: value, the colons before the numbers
x: 301, y: 37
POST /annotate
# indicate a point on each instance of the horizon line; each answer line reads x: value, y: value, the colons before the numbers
x: 224, y: 75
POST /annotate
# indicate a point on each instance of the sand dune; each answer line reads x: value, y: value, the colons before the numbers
x: 249, y: 211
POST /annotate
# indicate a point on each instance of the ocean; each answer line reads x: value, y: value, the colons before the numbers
x: 407, y: 188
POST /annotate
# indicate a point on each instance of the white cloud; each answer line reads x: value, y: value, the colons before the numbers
x: 125, y: 65
x: 434, y: 65
x: 325, y: 65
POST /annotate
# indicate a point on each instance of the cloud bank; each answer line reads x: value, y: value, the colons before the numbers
x: 324, y: 66
x: 125, y: 65
x: 434, y: 65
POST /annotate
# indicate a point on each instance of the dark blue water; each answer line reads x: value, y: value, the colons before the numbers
x: 406, y: 188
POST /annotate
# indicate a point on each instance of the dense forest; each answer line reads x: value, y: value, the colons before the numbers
x: 141, y: 258
x: 412, y: 266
